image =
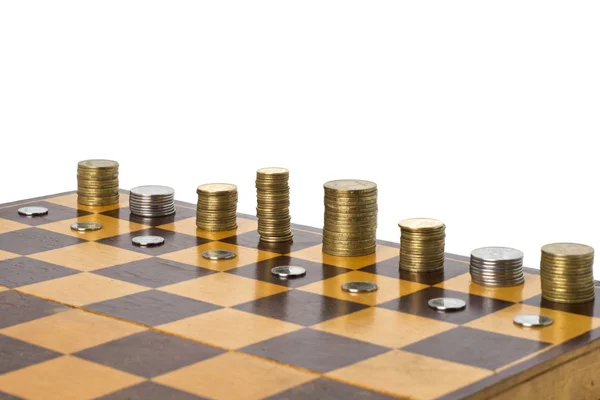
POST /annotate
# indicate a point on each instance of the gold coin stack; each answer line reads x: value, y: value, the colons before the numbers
x: 350, y: 227
x: 273, y: 205
x: 422, y: 244
x: 98, y: 182
x: 217, y: 207
x: 567, y: 272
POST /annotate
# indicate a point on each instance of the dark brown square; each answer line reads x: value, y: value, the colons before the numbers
x: 326, y: 389
x: 15, y: 354
x: 590, y: 309
x: 417, y: 304
x: 35, y: 240
x: 55, y: 213
x: 153, y: 272
x: 314, y: 271
x: 150, y: 391
x: 125, y: 214
x: 152, y: 307
x: 475, y: 347
x: 302, y: 240
x: 6, y: 396
x: 391, y: 268
x: 300, y: 308
x: 16, y: 308
x: 23, y: 271
x: 315, y: 350
x: 149, y: 353
x: 174, y: 241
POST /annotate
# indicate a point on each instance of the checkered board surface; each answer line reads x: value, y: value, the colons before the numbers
x: 88, y: 315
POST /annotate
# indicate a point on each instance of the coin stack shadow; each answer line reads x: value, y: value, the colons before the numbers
x: 217, y: 207
x: 497, y: 266
x: 567, y: 273
x: 350, y: 220
x: 152, y: 201
x: 422, y: 243
x: 273, y: 205
x: 98, y: 182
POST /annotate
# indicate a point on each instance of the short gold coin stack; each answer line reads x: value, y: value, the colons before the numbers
x: 350, y: 226
x: 567, y: 273
x: 273, y: 205
x: 98, y: 182
x: 422, y: 244
x: 217, y: 207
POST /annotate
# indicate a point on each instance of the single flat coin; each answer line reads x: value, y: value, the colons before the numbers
x: 273, y: 171
x: 33, y: 211
x: 497, y: 253
x: 152, y: 190
x: 359, y: 287
x: 218, y: 255
x: 148, y: 241
x: 86, y: 226
x: 447, y: 304
x: 98, y: 164
x: 567, y: 249
x: 217, y: 188
x: 350, y: 185
x: 288, y: 271
x: 421, y: 224
x: 532, y: 320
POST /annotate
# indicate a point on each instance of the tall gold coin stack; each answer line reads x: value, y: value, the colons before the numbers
x: 98, y: 182
x: 273, y: 205
x: 567, y: 272
x: 350, y: 227
x: 217, y: 207
x: 422, y: 244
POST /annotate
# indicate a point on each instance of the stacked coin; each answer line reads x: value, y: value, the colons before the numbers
x: 98, y: 182
x: 273, y: 205
x: 497, y: 266
x: 422, y: 244
x: 217, y: 207
x: 350, y: 218
x: 152, y: 201
x: 567, y: 273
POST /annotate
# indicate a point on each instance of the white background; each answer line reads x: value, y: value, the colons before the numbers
x: 482, y: 114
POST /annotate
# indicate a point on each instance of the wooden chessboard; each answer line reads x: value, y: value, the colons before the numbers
x: 88, y: 315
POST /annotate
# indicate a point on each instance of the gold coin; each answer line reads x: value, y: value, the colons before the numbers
x: 350, y: 186
x: 568, y: 250
x: 421, y: 224
x: 98, y: 164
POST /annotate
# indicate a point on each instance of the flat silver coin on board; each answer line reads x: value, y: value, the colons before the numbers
x: 148, y: 241
x: 33, y: 211
x: 532, y: 320
x: 218, y: 254
x: 86, y: 226
x: 447, y: 304
x: 359, y: 287
x: 288, y: 271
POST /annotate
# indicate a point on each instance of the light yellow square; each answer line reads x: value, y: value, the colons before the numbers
x: 66, y: 378
x: 89, y: 256
x: 235, y: 376
x: 81, y: 289
x: 224, y: 289
x: 5, y: 255
x: 110, y: 227
x: 388, y: 288
x: 9, y: 226
x: 410, y: 375
x: 188, y: 226
x: 70, y: 200
x: 565, y: 325
x: 244, y: 256
x: 71, y: 331
x: 229, y: 328
x: 462, y: 283
x: 315, y: 254
x: 384, y: 327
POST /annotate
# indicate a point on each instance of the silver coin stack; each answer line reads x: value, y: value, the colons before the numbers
x: 497, y: 266
x: 152, y: 201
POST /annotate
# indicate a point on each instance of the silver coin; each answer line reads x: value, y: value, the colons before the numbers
x: 447, y: 304
x: 532, y: 320
x: 288, y: 271
x: 148, y: 241
x: 33, y: 211
x: 359, y: 287
x: 218, y: 254
x: 86, y: 226
x: 152, y: 190
x: 497, y: 253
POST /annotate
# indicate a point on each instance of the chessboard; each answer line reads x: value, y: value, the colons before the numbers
x: 88, y: 315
